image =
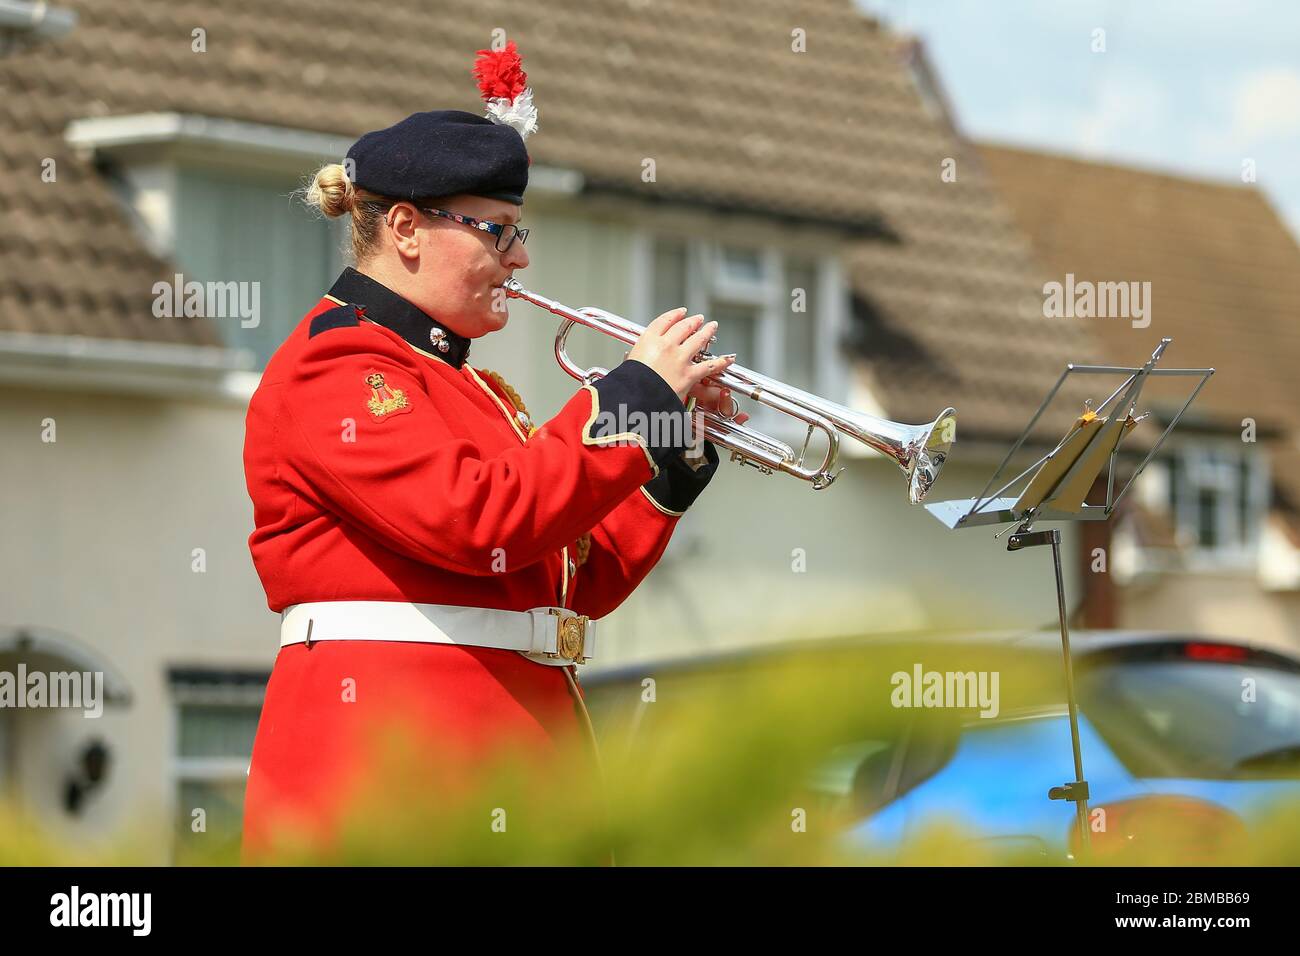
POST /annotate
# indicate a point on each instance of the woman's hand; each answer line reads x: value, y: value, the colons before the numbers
x: 669, y: 345
x: 718, y: 399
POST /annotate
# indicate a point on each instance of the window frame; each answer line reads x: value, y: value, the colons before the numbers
x: 705, y: 282
x: 233, y: 693
x: 1197, y: 461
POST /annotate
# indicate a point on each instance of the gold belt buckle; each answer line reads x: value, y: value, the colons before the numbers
x: 570, y: 637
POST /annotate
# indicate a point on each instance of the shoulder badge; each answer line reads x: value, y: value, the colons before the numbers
x: 385, y: 401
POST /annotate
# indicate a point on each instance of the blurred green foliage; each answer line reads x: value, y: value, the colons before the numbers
x: 717, y: 769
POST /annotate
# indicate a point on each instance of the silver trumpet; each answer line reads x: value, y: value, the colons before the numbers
x: 919, y: 450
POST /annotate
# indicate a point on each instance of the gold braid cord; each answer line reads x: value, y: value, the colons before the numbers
x: 509, y: 389
x: 583, y: 544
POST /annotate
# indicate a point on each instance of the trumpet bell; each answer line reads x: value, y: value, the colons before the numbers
x: 931, y: 452
x: 920, y: 451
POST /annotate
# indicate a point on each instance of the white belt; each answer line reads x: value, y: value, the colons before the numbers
x: 548, y: 635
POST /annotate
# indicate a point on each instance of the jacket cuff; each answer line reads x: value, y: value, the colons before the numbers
x: 680, y: 482
x: 636, y: 404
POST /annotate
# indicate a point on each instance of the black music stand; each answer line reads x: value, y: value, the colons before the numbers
x: 1055, y: 492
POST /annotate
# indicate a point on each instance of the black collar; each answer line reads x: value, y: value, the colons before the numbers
x: 385, y: 307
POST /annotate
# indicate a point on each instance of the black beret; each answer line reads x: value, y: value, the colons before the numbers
x: 442, y: 153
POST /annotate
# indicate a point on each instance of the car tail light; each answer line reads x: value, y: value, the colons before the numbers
x: 1215, y: 652
x: 1180, y: 831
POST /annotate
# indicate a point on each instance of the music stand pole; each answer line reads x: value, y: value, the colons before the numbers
x: 1077, y: 789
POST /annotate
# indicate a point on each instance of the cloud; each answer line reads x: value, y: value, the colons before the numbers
x: 1124, y: 117
x: 1266, y: 103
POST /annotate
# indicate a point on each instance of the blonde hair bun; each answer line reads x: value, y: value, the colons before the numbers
x: 331, y: 191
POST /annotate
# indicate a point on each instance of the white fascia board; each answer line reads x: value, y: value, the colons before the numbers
x: 107, y: 133
x: 157, y: 368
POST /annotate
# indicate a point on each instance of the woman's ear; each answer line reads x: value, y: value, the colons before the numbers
x: 400, y: 223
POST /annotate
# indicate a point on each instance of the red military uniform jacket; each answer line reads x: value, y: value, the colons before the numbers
x: 384, y: 468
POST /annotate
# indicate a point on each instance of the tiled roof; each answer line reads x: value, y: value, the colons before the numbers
x: 1224, y: 273
x: 950, y: 307
x: 70, y: 261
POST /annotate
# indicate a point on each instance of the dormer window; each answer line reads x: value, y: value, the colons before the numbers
x: 217, y: 198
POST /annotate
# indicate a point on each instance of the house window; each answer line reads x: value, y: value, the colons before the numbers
x: 251, y: 229
x: 1218, y: 497
x: 738, y: 327
x: 217, y: 197
x: 216, y: 720
x: 778, y: 311
x: 802, y: 300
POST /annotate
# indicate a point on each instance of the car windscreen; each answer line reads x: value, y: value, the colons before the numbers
x: 1180, y: 713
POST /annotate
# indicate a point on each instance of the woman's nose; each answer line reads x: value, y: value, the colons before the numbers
x: 516, y: 257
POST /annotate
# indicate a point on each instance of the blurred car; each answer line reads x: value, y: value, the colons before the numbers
x: 1185, y: 740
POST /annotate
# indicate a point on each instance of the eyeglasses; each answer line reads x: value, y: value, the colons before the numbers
x: 505, y: 233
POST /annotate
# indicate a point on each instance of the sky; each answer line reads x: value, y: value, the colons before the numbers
x: 1184, y: 86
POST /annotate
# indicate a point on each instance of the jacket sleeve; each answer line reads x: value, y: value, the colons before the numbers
x: 409, y: 480
x: 631, y: 539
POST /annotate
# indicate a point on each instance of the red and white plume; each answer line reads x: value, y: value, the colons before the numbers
x: 503, y: 83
